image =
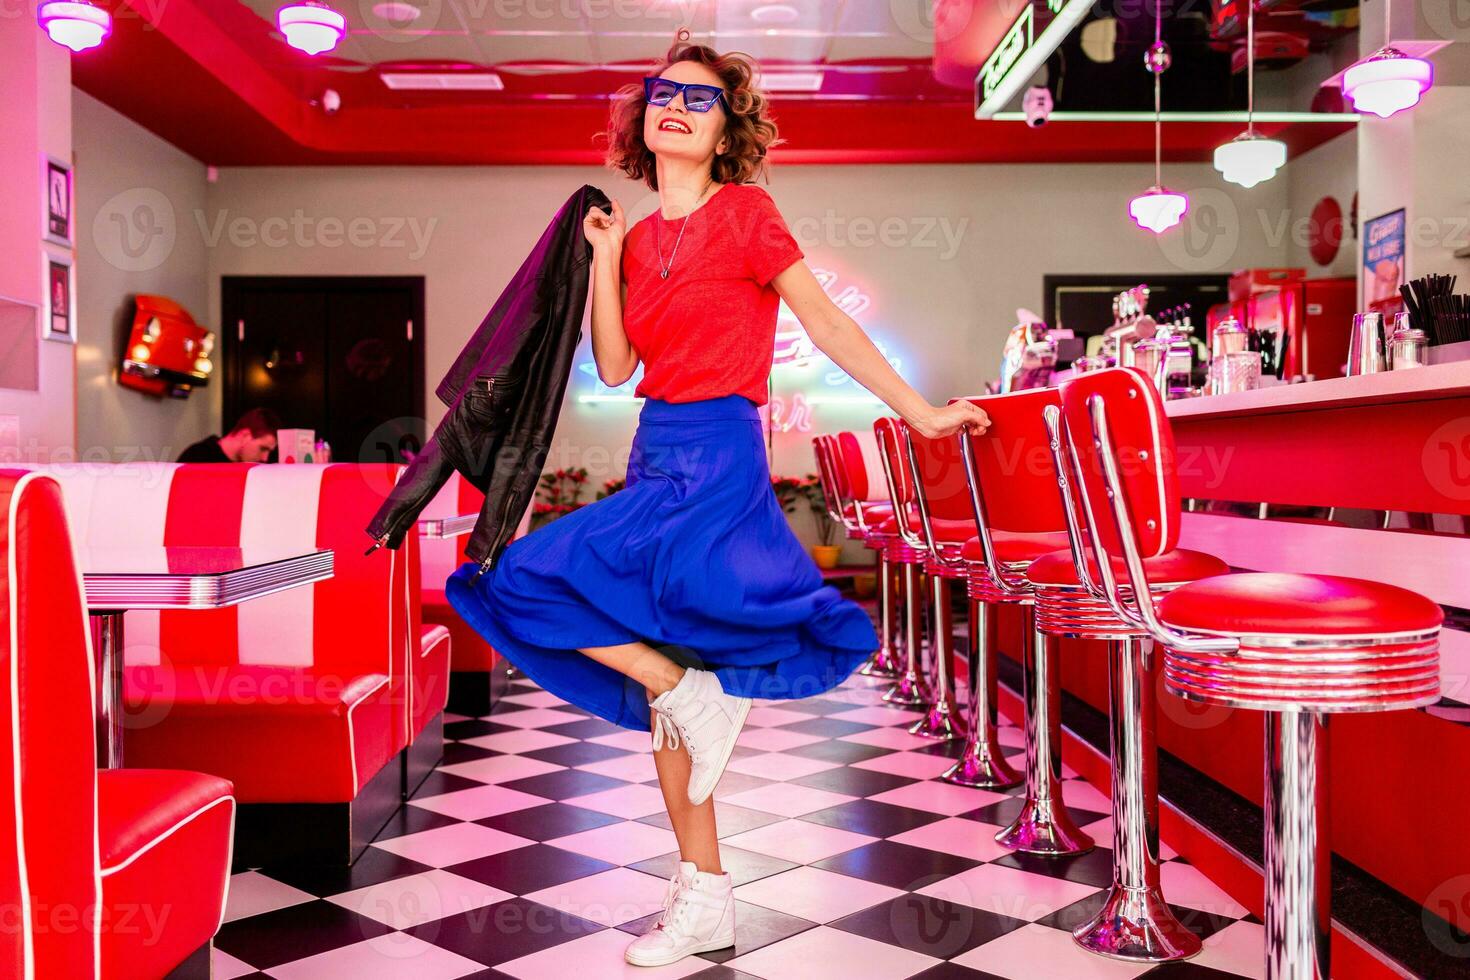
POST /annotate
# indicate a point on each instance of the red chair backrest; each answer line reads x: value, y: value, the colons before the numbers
x: 854, y: 471
x: 941, y: 472
x: 826, y: 470
x: 895, y: 462
x: 1013, y: 462
x: 1143, y: 447
x: 49, y: 881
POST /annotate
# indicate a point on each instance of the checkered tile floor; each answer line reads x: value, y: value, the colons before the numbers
x: 541, y: 846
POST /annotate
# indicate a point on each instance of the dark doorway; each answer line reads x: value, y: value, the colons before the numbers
x: 1085, y: 303
x: 343, y: 355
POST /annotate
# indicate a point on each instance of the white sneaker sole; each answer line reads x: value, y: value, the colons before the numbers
x: 709, y: 947
x: 739, y: 723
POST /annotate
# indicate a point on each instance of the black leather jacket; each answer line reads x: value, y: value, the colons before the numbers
x: 504, y: 391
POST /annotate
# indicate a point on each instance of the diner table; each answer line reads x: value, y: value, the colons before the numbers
x: 122, y: 579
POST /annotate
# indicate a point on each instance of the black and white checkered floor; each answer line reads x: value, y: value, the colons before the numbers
x: 541, y: 846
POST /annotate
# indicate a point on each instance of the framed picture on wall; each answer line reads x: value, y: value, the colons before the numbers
x: 1383, y: 261
x: 59, y: 321
x: 58, y: 202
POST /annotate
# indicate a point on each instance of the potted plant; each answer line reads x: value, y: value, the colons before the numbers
x: 827, y: 550
x: 558, y: 493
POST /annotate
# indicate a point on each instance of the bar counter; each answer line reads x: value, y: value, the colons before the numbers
x: 1279, y: 479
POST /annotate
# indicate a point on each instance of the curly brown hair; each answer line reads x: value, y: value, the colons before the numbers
x: 749, y: 130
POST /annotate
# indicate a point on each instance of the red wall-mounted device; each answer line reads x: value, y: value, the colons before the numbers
x: 167, y: 353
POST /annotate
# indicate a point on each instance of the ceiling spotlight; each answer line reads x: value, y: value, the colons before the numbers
x: 1387, y: 81
x: 396, y: 12
x: 74, y: 24
x: 311, y: 26
x: 775, y: 13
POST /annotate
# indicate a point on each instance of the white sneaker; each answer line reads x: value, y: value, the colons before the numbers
x: 699, y: 916
x: 707, y: 719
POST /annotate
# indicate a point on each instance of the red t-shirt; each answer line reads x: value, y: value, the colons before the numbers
x: 709, y: 329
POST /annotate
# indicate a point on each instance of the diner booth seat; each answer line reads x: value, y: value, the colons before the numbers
x: 322, y: 703
x: 118, y: 874
x: 474, y: 682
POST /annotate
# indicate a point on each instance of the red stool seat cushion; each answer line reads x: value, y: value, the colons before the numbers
x: 1016, y: 546
x: 313, y: 737
x: 163, y: 843
x: 1179, y: 565
x: 1254, y: 603
x: 872, y: 509
x: 945, y: 532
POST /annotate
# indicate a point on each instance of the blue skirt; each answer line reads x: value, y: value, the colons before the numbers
x: 694, y: 557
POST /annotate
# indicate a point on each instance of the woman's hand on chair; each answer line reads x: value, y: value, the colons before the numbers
x: 942, y: 422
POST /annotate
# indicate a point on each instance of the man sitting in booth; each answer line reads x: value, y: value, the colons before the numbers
x: 252, y: 440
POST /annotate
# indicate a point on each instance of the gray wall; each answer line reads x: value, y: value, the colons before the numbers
x: 134, y: 194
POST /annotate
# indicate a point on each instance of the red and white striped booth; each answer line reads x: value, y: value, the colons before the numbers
x: 472, y: 664
x: 119, y: 873
x: 322, y: 704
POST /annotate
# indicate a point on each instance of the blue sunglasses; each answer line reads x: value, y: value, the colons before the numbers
x: 697, y: 98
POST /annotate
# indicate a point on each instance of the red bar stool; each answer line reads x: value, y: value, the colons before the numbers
x: 1134, y: 923
x: 1018, y: 517
x: 939, y: 542
x: 912, y: 688
x: 947, y: 519
x: 1297, y: 647
x: 858, y: 515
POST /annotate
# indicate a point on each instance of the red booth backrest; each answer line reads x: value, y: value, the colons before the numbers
x: 1143, y: 445
x: 49, y: 886
x: 1014, y: 464
x: 358, y: 621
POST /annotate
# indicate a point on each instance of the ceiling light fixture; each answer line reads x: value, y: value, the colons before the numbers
x: 1158, y: 209
x: 74, y: 24
x: 1388, y: 80
x: 1250, y: 158
x: 311, y: 26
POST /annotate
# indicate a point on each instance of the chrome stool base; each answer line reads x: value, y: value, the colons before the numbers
x: 1043, y: 825
x: 910, y: 692
x: 982, y: 765
x: 912, y: 689
x: 1047, y: 830
x: 1137, y: 925
x: 885, y: 661
x: 979, y: 769
x: 1134, y: 923
x: 940, y: 722
x: 941, y: 719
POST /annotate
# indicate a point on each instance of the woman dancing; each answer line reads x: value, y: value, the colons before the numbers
x: 671, y: 604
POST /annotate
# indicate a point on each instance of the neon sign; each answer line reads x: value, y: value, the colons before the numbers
x: 1021, y: 51
x: 1015, y: 42
x: 794, y: 353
